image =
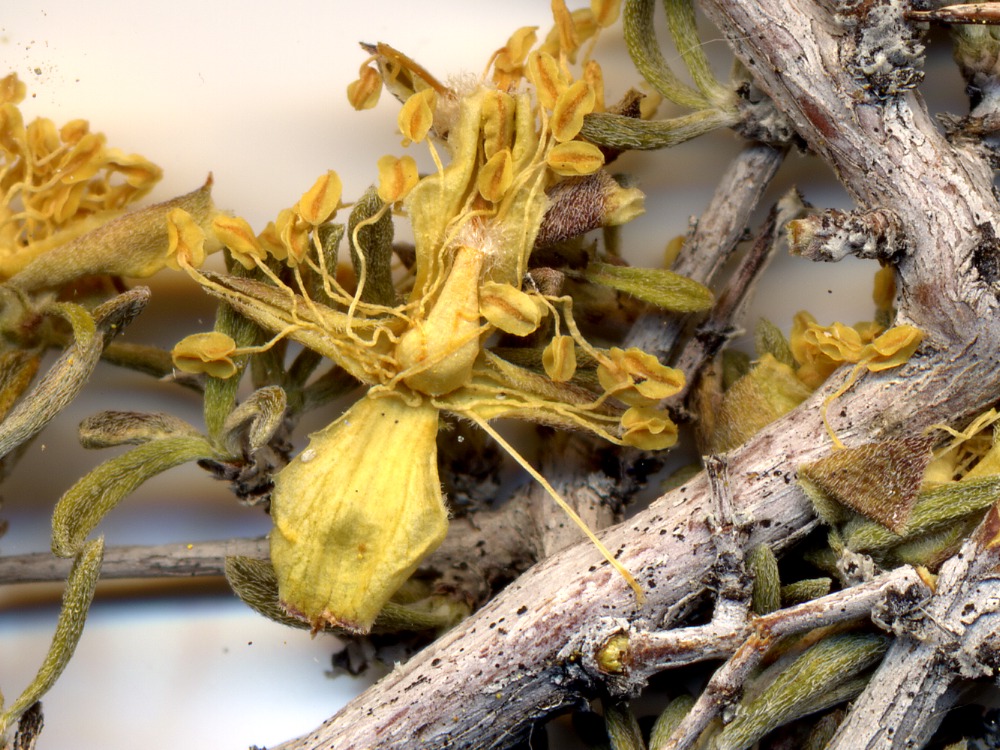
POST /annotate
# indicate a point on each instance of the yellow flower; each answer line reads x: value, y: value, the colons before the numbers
x: 293, y: 234
x: 893, y: 348
x: 547, y: 77
x: 186, y: 240
x: 58, y: 184
x: 12, y: 90
x: 648, y: 429
x: 496, y: 176
x: 571, y: 30
x: 509, y: 309
x: 474, y: 225
x: 508, y: 64
x: 575, y: 158
x: 417, y: 115
x: 570, y: 107
x: 605, y: 12
x: 436, y: 355
x: 559, y: 358
x: 820, y: 350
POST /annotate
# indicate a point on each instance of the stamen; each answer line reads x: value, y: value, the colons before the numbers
x: 640, y: 597
x: 834, y: 396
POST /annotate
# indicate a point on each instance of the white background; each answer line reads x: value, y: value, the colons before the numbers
x: 255, y: 93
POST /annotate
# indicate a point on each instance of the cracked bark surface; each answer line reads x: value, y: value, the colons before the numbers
x: 532, y: 649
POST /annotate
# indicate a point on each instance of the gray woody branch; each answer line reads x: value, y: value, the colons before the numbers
x: 531, y: 651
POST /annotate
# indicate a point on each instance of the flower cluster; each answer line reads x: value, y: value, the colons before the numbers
x: 421, y: 342
x: 57, y: 183
x: 820, y: 350
x: 788, y: 371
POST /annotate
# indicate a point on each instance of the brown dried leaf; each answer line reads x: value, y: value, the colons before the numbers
x: 879, y: 480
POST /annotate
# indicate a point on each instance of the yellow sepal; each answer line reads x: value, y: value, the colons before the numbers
x: 356, y: 512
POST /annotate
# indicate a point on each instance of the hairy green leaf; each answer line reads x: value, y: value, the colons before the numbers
x: 658, y: 286
x: 76, y: 602
x: 805, y: 590
x: 681, y: 20
x: 369, y: 233
x: 69, y: 374
x: 622, y: 132
x: 258, y: 418
x: 934, y: 509
x: 623, y: 729
x: 668, y: 721
x: 640, y: 37
x: 825, y: 672
x: 84, y: 505
x: 763, y: 566
x: 768, y: 339
x: 107, y: 429
x: 220, y: 393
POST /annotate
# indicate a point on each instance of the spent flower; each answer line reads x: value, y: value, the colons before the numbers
x: 423, y: 351
x: 57, y: 184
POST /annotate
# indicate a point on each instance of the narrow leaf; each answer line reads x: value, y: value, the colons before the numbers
x: 805, y: 590
x: 76, y: 602
x: 621, y: 132
x: 668, y: 721
x: 255, y: 583
x: 330, y: 237
x: 684, y: 30
x: 763, y: 565
x: 151, y: 360
x: 934, y: 508
x: 814, y: 676
x: 84, y: 327
x: 69, y: 374
x: 220, y: 393
x: 623, y: 729
x: 768, y: 339
x: 80, y: 510
x: 369, y: 233
x: 258, y: 418
x: 660, y: 287
x: 640, y: 37
x: 107, y: 429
